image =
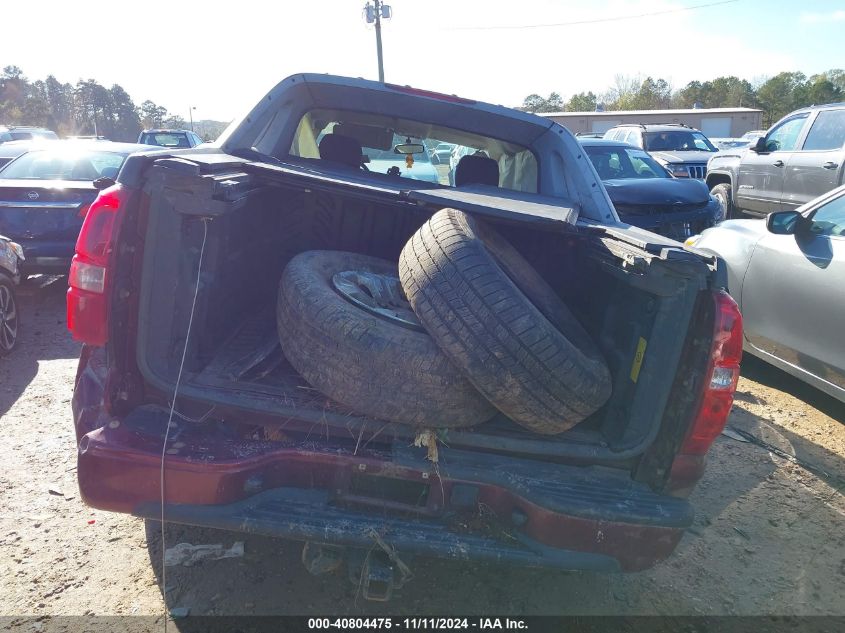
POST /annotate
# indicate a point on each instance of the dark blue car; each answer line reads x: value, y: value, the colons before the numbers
x: 646, y: 195
x: 45, y: 193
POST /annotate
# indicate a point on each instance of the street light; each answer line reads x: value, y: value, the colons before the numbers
x: 191, y: 115
x: 373, y: 14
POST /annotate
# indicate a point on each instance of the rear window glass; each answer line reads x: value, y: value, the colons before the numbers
x: 622, y: 163
x: 678, y: 141
x: 51, y: 165
x: 165, y: 139
x: 384, y: 143
x: 828, y: 131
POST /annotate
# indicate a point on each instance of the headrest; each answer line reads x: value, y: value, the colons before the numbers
x: 478, y: 169
x: 341, y: 149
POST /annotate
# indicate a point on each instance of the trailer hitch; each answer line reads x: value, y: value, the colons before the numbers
x: 377, y: 572
x: 377, y: 578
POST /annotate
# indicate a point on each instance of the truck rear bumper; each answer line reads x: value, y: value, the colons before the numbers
x: 472, y: 506
x: 308, y: 515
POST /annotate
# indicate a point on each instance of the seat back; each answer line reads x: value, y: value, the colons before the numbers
x: 344, y: 150
x: 477, y: 169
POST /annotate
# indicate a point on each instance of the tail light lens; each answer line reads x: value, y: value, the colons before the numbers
x: 717, y: 393
x: 87, y: 316
x: 722, y: 375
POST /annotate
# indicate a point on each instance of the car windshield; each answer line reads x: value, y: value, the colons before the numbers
x: 613, y: 163
x: 165, y: 139
x: 64, y: 165
x: 678, y: 141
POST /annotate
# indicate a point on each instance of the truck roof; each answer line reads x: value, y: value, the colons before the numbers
x: 405, y: 101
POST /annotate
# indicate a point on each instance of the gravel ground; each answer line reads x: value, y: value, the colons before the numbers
x: 767, y: 539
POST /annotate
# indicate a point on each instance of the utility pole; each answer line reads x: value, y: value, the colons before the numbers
x: 191, y: 114
x: 373, y: 13
x: 378, y: 41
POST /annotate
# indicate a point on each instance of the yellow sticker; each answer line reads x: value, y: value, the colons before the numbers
x: 409, y: 160
x: 638, y: 359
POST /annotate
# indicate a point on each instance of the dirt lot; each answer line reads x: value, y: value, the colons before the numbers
x: 768, y: 537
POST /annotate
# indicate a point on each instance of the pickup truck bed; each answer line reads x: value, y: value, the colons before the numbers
x: 252, y: 446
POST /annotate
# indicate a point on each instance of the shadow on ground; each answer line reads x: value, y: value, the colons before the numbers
x: 43, y: 336
x: 755, y: 369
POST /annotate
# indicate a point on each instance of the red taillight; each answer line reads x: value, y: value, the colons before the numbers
x: 722, y: 374
x: 87, y: 317
x: 430, y: 94
x: 717, y: 393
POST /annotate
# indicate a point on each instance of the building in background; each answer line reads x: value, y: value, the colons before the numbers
x: 715, y: 122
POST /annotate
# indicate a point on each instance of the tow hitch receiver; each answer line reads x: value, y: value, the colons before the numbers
x: 377, y: 577
x: 372, y: 571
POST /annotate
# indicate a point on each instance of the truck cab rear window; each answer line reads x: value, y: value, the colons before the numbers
x: 406, y: 149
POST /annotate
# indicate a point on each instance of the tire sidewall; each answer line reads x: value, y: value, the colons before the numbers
x: 722, y: 194
x: 376, y: 367
x: 9, y: 284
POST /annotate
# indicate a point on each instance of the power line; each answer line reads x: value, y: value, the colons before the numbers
x: 595, y: 21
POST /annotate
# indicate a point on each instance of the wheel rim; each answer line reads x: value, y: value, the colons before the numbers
x: 8, y: 319
x: 380, y: 295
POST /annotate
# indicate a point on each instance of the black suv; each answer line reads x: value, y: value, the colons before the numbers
x: 682, y: 150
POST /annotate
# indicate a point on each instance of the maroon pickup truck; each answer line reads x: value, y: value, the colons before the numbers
x: 184, y: 391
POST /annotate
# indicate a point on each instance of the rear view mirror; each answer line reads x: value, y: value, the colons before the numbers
x: 409, y: 148
x: 783, y: 222
x: 758, y: 145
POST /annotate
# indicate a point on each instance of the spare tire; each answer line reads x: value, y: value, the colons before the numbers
x: 502, y: 324
x: 343, y: 326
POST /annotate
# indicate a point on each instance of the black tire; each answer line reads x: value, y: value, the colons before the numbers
x: 9, y: 316
x: 375, y: 366
x: 722, y: 193
x: 496, y: 318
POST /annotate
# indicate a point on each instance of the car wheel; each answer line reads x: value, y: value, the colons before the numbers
x: 346, y: 327
x: 722, y: 193
x: 502, y: 324
x: 9, y: 316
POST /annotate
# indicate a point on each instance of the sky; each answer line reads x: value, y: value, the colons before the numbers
x: 220, y: 57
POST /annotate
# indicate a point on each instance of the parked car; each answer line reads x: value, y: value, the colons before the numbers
x: 683, y: 150
x: 787, y: 273
x: 383, y: 160
x: 11, y: 150
x: 11, y: 256
x: 646, y: 195
x: 753, y: 135
x: 801, y: 157
x: 25, y: 133
x: 173, y: 139
x: 45, y: 193
x: 603, y: 358
x: 441, y: 153
x: 582, y: 135
x: 729, y: 143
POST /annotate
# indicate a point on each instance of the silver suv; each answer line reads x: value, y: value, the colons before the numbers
x: 682, y: 150
x: 25, y: 133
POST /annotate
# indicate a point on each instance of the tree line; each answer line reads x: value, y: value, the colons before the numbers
x: 775, y: 96
x: 83, y: 109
